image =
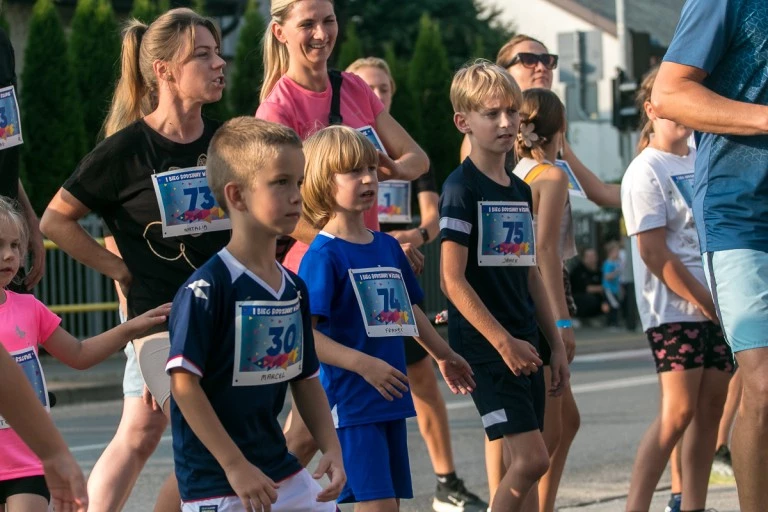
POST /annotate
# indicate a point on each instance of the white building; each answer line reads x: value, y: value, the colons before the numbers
x: 583, y: 33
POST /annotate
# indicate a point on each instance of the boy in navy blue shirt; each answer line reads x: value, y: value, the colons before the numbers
x: 488, y: 250
x: 240, y: 333
x: 364, y: 295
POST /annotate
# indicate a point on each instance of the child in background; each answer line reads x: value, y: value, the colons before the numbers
x: 612, y: 282
x: 488, y: 247
x: 240, y: 333
x: 24, y: 323
x: 363, y: 296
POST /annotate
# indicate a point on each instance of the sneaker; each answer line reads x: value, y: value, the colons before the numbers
x: 722, y: 461
x: 674, y: 504
x: 455, y: 497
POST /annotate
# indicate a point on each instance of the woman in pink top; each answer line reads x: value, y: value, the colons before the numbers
x: 24, y: 323
x: 297, y: 93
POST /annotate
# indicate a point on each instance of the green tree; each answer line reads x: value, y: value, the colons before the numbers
x: 248, y: 72
x: 94, y: 45
x: 51, y: 110
x: 351, y: 49
x: 4, y: 24
x: 404, y: 108
x: 460, y: 22
x: 145, y: 10
x: 429, y: 79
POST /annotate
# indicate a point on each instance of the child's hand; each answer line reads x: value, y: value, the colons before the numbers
x: 561, y: 374
x: 331, y: 464
x: 415, y: 257
x: 150, y: 318
x: 388, y: 380
x: 521, y: 357
x: 457, y: 373
x: 254, y: 488
x: 65, y: 482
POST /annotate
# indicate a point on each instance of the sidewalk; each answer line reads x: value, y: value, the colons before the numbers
x: 105, y: 381
x: 720, y: 497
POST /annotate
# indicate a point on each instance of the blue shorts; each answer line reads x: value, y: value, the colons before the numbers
x: 738, y: 280
x: 376, y: 462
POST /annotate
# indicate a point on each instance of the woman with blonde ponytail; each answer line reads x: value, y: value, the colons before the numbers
x: 693, y: 362
x: 169, y: 70
x: 297, y: 93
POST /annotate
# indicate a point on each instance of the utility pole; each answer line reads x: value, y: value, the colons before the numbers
x: 625, y: 71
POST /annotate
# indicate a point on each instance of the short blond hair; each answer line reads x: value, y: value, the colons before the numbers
x: 330, y: 151
x: 240, y: 148
x: 372, y: 62
x: 474, y: 84
x: 10, y: 211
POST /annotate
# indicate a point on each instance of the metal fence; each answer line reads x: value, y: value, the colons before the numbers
x: 85, y: 299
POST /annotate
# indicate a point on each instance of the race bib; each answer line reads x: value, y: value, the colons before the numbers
x: 574, y: 187
x: 372, y: 136
x: 10, y: 125
x: 384, y: 302
x: 395, y: 202
x: 506, y: 236
x: 27, y: 359
x: 684, y: 184
x: 269, y: 342
x: 187, y: 205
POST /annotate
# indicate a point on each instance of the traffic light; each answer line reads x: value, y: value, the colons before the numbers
x: 626, y: 115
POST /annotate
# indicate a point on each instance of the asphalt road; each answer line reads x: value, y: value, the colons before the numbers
x: 616, y: 393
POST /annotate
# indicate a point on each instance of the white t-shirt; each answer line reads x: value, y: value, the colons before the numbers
x: 653, y: 195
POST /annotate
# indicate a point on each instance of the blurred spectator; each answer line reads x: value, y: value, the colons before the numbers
x: 612, y: 282
x: 586, y: 283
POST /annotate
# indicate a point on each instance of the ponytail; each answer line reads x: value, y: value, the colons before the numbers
x: 641, y: 98
x: 275, y: 61
x: 131, y: 99
x: 136, y: 92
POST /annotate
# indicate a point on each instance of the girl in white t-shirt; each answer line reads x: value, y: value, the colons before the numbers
x: 693, y: 361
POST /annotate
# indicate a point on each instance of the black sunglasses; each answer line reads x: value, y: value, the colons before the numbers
x: 529, y: 60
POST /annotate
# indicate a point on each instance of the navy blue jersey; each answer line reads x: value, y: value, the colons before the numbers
x: 245, y: 341
x: 503, y: 289
x: 344, y: 279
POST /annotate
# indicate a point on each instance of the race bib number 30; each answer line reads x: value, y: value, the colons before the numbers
x: 506, y: 236
x: 10, y: 126
x: 269, y: 342
x: 187, y: 205
x: 395, y: 201
x: 383, y: 301
x: 27, y: 359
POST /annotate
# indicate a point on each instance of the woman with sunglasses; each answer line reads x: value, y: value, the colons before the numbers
x: 531, y: 65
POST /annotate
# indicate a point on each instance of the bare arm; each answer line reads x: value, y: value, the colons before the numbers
x: 313, y: 407
x: 600, y: 193
x: 22, y: 409
x: 520, y: 355
x: 248, y: 482
x: 59, y: 223
x: 665, y: 265
x: 36, y: 246
x: 111, y: 246
x: 411, y: 161
x: 82, y: 355
x: 679, y: 95
x: 550, y: 191
x: 430, y: 220
x: 557, y: 361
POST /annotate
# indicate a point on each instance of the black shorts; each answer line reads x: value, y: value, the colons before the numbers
x: 687, y: 345
x: 26, y: 485
x: 508, y: 404
x: 414, y: 352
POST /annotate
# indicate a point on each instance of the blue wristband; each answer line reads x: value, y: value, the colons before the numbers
x: 564, y: 324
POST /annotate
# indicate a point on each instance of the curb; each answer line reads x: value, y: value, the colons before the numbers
x: 69, y: 393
